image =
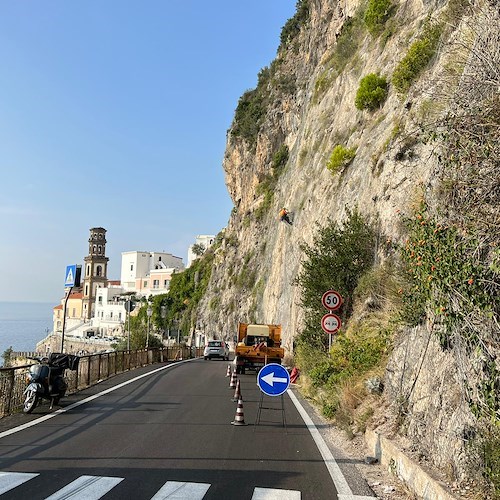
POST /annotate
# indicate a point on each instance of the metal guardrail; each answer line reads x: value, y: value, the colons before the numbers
x: 92, y: 368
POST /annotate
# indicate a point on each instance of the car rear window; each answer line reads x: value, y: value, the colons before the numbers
x: 215, y: 343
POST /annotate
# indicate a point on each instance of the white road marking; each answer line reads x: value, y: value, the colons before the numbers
x: 343, y: 489
x: 86, y: 488
x: 10, y: 480
x: 175, y: 490
x: 274, y: 494
x: 27, y: 425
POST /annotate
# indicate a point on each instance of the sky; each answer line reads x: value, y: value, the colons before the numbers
x: 114, y: 113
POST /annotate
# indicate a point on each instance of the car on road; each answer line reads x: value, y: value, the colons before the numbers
x: 216, y: 349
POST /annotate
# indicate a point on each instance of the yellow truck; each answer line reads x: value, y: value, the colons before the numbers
x: 257, y: 346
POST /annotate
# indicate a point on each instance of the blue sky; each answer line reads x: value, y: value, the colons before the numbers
x: 114, y: 114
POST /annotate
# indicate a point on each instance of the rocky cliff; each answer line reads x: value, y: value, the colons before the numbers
x: 277, y: 153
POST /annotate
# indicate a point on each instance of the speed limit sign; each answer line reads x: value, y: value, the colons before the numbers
x: 331, y: 323
x: 331, y: 300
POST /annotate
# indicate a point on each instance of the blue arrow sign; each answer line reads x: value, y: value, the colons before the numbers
x: 69, y: 281
x: 273, y: 379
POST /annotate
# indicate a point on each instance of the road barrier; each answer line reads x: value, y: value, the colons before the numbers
x: 92, y: 368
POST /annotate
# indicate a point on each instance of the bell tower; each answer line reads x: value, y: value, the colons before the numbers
x: 96, y: 270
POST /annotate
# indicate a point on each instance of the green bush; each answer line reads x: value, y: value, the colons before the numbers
x: 252, y: 108
x: 372, y: 92
x: 340, y: 157
x: 435, y: 283
x: 417, y: 58
x: 339, y: 255
x: 294, y: 24
x: 377, y: 13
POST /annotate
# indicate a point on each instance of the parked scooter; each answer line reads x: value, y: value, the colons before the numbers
x: 46, y: 379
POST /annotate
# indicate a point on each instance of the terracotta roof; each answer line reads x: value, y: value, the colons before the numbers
x: 76, y: 295
x: 58, y: 307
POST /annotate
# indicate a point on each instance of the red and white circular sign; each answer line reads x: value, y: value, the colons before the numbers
x: 331, y: 323
x: 332, y: 300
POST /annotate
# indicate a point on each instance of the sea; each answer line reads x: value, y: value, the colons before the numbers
x: 23, y: 324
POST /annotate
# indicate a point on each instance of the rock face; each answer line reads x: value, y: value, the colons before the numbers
x: 308, y: 95
x: 260, y: 257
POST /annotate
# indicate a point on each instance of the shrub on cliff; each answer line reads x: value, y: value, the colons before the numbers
x: 340, y: 157
x: 251, y: 109
x: 372, y: 92
x: 294, y: 24
x: 337, y: 258
x: 377, y: 13
x: 417, y: 58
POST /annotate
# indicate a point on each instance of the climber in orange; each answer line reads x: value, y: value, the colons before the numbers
x: 283, y: 216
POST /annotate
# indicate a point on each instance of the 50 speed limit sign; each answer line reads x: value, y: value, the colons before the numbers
x: 332, y: 300
x: 330, y: 323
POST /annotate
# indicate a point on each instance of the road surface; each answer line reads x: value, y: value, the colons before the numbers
x: 165, y: 431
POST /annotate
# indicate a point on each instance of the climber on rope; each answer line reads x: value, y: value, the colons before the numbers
x: 284, y: 216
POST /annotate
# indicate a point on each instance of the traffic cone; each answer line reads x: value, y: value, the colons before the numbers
x: 228, y: 372
x: 237, y: 392
x: 239, y: 419
x: 232, y: 383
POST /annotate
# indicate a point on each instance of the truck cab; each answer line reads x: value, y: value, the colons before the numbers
x: 257, y: 346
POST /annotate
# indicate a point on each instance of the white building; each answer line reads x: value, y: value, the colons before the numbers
x: 204, y: 240
x: 110, y: 312
x: 148, y: 273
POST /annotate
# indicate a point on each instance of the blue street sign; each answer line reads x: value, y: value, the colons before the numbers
x: 70, y: 276
x: 273, y: 379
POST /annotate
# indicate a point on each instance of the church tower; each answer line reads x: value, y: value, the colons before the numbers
x: 96, y: 270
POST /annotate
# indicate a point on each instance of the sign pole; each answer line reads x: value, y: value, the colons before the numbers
x: 331, y: 323
x: 68, y: 293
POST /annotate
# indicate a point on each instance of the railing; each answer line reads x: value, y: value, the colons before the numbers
x: 91, y: 369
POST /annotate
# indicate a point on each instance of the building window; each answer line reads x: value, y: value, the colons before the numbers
x: 74, y: 312
x: 86, y: 289
x: 88, y: 270
x: 111, y: 314
x: 156, y: 283
x: 159, y: 258
x: 99, y: 299
x: 120, y: 316
x: 145, y: 284
x: 100, y: 249
x: 98, y: 271
x: 165, y: 284
x: 131, y: 267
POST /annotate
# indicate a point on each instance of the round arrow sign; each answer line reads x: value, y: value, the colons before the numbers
x: 332, y: 300
x: 331, y: 323
x: 273, y: 379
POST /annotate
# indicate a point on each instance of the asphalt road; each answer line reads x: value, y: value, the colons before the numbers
x: 165, y: 435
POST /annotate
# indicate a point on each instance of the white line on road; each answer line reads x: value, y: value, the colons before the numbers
x: 86, y: 400
x: 10, y: 480
x: 175, y: 490
x: 274, y: 494
x: 86, y: 488
x: 343, y: 489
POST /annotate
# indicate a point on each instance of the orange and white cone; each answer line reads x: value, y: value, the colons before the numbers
x: 239, y: 419
x: 228, y: 372
x: 232, y: 383
x: 237, y: 392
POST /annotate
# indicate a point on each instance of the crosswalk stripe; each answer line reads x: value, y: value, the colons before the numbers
x: 86, y: 488
x: 9, y: 480
x: 176, y: 490
x: 274, y: 494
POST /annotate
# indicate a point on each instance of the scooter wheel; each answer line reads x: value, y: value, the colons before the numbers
x: 30, y: 402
